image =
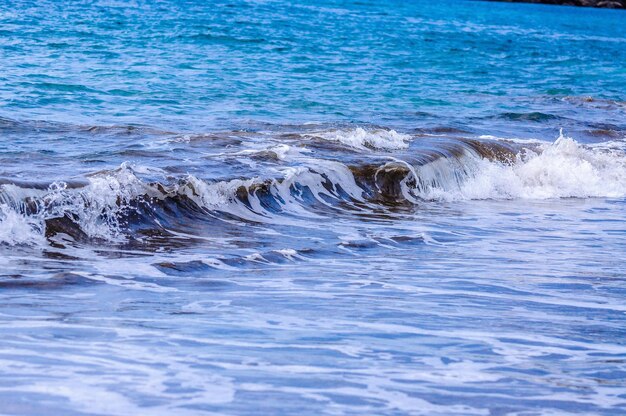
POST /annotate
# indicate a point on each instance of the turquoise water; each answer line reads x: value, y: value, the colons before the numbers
x: 316, y: 208
x: 195, y: 67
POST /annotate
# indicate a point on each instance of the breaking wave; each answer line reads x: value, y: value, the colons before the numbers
x: 120, y: 204
x: 563, y: 169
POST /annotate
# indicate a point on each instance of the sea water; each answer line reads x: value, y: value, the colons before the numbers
x: 312, y: 207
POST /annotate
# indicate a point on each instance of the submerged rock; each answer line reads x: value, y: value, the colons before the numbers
x: 610, y: 4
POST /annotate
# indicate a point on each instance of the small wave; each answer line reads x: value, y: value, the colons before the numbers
x: 361, y: 138
x: 45, y: 126
x: 601, y: 103
x: 534, y: 116
x: 223, y: 39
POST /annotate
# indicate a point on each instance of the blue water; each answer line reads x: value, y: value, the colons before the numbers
x: 332, y: 207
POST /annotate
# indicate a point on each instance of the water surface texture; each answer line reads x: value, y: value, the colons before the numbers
x: 329, y: 207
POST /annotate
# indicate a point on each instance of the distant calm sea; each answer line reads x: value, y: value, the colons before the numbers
x: 312, y: 208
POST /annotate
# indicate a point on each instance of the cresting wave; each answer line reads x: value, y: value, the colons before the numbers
x: 117, y: 205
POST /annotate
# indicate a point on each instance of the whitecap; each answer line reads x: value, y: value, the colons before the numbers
x: 16, y: 229
x: 361, y: 138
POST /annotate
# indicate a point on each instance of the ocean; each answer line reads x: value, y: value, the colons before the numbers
x: 312, y: 207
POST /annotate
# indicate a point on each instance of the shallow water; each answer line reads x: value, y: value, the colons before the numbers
x: 316, y: 208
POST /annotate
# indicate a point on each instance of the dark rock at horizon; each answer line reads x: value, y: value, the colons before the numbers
x: 611, y: 4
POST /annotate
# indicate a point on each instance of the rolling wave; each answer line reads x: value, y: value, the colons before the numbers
x: 118, y: 204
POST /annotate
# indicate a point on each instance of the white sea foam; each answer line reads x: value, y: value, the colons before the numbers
x: 222, y: 196
x: 563, y: 169
x: 361, y: 138
x: 16, y: 229
x: 96, y: 208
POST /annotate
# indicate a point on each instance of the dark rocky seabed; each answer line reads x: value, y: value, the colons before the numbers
x: 610, y: 4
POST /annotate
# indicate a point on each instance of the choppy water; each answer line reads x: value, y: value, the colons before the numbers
x: 316, y: 208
